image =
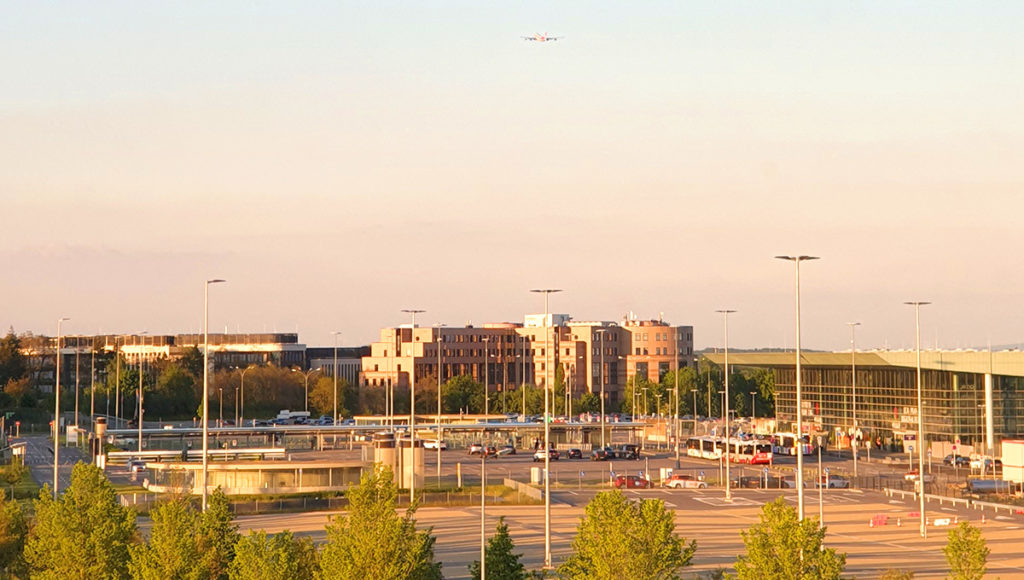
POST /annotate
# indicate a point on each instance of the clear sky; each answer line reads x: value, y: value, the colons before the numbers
x: 340, y: 161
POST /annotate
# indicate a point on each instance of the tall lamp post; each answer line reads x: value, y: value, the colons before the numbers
x: 694, y: 391
x: 412, y: 404
x: 920, y: 411
x: 753, y: 394
x: 675, y: 420
x: 140, y: 395
x: 725, y: 400
x: 799, y: 394
x: 305, y: 382
x: 487, y: 357
x: 56, y: 410
x: 241, y: 395
x: 206, y: 385
x: 853, y: 390
x: 547, y: 292
x: 439, y: 343
x: 602, y: 337
x: 336, y: 334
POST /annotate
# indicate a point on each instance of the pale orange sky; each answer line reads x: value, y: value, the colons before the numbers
x: 339, y: 162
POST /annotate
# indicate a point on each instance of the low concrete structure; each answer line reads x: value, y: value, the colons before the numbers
x: 256, y: 477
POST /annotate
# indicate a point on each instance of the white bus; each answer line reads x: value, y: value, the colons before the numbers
x: 785, y: 444
x: 704, y: 447
x: 754, y: 452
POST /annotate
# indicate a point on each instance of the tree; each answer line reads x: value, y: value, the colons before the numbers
x: 619, y: 538
x: 966, y: 552
x: 502, y: 564
x: 373, y: 541
x: 173, y: 394
x: 192, y: 362
x: 13, y: 533
x: 321, y: 397
x: 462, y: 393
x: 216, y: 536
x: 896, y: 574
x: 171, y: 551
x: 589, y: 403
x: 260, y: 556
x: 12, y: 362
x: 782, y: 547
x: 84, y: 533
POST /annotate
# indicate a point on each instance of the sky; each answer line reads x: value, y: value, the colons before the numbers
x: 338, y: 162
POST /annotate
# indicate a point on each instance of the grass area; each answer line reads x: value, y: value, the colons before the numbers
x: 23, y: 489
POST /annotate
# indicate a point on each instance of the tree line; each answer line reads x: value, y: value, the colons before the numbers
x: 86, y: 533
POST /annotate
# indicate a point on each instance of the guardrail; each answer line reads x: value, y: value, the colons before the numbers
x: 196, y: 454
x: 966, y: 503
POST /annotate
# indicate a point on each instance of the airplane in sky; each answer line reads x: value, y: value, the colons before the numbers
x: 541, y: 37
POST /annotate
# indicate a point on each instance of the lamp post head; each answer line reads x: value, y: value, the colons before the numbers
x: 797, y: 258
x: 916, y: 303
x: 215, y: 281
x: 724, y: 311
x: 546, y: 290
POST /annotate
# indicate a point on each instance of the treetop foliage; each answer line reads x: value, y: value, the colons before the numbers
x: 782, y: 547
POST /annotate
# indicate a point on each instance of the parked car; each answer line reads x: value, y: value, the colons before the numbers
x: 507, y: 450
x: 136, y: 465
x: 987, y: 464
x: 833, y: 482
x: 435, y: 444
x: 681, y: 481
x: 632, y: 482
x: 961, y: 460
x: 491, y: 450
x: 914, y: 475
x: 575, y: 453
x: 553, y: 454
x: 602, y: 454
x: 476, y: 448
x: 628, y: 452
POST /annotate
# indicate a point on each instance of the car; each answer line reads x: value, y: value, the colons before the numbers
x: 507, y: 450
x: 987, y: 464
x: 602, y: 454
x: 632, y: 482
x: 136, y: 465
x: 476, y: 448
x: 762, y: 482
x: 490, y: 451
x: 628, y: 452
x: 575, y: 453
x: 683, y: 481
x: 552, y: 453
x: 435, y: 444
x: 833, y: 482
x: 914, y: 475
x: 959, y: 460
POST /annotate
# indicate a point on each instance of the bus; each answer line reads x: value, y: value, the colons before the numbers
x: 704, y: 447
x: 785, y: 444
x: 754, y: 452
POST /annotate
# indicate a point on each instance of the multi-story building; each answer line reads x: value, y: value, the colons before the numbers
x: 504, y: 355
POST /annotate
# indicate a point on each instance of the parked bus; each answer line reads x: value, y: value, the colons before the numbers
x: 704, y: 447
x: 785, y: 444
x: 754, y: 452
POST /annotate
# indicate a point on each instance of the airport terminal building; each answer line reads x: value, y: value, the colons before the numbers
x: 974, y: 397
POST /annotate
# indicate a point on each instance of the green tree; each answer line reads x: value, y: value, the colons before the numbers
x: 462, y: 393
x: 13, y: 365
x: 502, y: 563
x: 216, y: 536
x: 174, y: 393
x: 966, y: 552
x: 373, y: 541
x: 321, y: 397
x: 260, y: 556
x: 84, y: 533
x: 13, y: 473
x: 619, y: 538
x: 589, y: 403
x: 782, y: 547
x: 13, y: 533
x: 171, y: 553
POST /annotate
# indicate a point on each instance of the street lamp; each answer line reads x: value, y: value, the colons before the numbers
x: 799, y: 395
x: 487, y: 356
x: 206, y: 384
x: 336, y: 334
x: 602, y: 337
x: 241, y: 396
x: 920, y: 410
x: 306, y: 375
x: 675, y: 421
x: 694, y: 391
x: 140, y: 396
x: 725, y: 400
x: 752, y: 395
x: 56, y: 410
x: 412, y: 404
x: 853, y: 384
x: 547, y: 432
x: 439, y: 343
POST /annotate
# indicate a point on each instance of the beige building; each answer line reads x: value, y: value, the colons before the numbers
x: 504, y: 355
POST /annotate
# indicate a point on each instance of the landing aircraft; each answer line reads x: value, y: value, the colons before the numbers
x: 541, y: 37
